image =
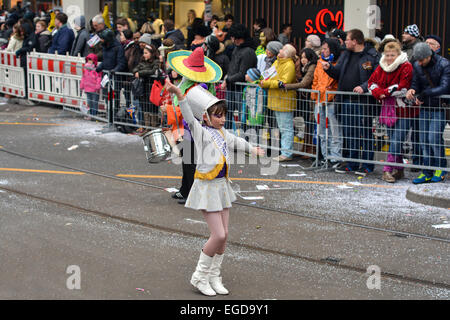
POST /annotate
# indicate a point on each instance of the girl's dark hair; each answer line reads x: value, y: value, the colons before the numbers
x: 153, y: 51
x: 218, y: 109
x: 310, y: 55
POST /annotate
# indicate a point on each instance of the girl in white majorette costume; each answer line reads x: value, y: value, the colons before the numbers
x: 211, y: 192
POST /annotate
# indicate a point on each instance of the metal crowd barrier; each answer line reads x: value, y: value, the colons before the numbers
x: 411, y: 137
x: 12, y: 75
x: 347, y: 129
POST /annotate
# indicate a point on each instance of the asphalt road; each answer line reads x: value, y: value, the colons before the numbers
x: 132, y: 241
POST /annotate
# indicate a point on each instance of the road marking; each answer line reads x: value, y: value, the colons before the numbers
x: 41, y: 171
x: 32, y: 124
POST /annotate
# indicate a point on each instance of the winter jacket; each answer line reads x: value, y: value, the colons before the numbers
x: 14, y: 44
x: 394, y: 81
x: 80, y: 45
x: 62, y: 41
x: 178, y: 38
x: 133, y: 55
x: 323, y: 82
x: 368, y: 62
x: 243, y: 58
x: 90, y: 82
x: 438, y: 70
x: 44, y: 41
x: 279, y: 99
x: 306, y: 79
x: 113, y: 58
x: 29, y: 43
x: 146, y: 69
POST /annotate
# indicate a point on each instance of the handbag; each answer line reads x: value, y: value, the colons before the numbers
x: 155, y: 93
x: 137, y: 87
x: 388, y: 115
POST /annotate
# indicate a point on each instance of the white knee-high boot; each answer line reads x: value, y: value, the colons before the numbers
x: 214, y: 275
x: 200, y: 277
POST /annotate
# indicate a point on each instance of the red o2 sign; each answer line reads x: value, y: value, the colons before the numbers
x: 320, y: 26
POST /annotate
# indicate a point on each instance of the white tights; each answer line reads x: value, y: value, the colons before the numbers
x: 218, y: 228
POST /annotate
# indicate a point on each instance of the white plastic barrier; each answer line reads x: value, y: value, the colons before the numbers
x: 12, y: 76
x: 56, y: 79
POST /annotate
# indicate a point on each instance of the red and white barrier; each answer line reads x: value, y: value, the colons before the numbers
x: 12, y: 76
x: 56, y: 79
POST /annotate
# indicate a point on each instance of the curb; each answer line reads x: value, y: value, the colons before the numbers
x: 421, y: 196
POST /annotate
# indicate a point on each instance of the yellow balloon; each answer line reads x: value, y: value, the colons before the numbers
x: 51, y: 25
x: 106, y: 17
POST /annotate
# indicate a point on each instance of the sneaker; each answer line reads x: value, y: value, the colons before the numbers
x: 422, y: 179
x: 363, y: 172
x: 343, y: 168
x: 439, y: 176
x: 177, y: 196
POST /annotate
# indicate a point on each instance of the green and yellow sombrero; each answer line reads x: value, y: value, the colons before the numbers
x: 195, y: 66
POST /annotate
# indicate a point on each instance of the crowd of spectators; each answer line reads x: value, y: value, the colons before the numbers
x: 405, y: 76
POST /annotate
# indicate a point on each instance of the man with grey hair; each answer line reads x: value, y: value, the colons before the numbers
x: 98, y: 22
x: 431, y: 80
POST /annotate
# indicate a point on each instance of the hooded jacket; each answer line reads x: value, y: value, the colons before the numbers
x: 243, y: 58
x: 80, y: 45
x: 91, y: 79
x: 113, y: 57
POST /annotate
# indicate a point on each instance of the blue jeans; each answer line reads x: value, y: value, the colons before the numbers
x: 92, y: 102
x: 140, y: 115
x: 357, y: 130
x: 432, y: 125
x: 285, y: 121
x: 331, y: 147
x: 397, y: 135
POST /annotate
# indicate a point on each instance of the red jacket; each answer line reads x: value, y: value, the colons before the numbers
x: 381, y: 81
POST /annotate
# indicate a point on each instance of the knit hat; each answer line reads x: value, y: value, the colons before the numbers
x: 254, y: 74
x: 413, y: 30
x: 434, y: 37
x: 274, y: 47
x: 93, y: 57
x: 146, y: 38
x: 422, y: 50
x: 315, y: 40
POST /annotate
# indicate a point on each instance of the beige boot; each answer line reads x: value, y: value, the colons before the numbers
x: 398, y: 174
x: 200, y: 277
x: 147, y: 119
x: 214, y: 275
x: 387, y: 176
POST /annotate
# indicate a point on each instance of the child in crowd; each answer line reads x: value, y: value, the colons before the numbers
x: 16, y: 40
x: 211, y: 192
x: 254, y: 100
x: 148, y: 67
x: 90, y: 83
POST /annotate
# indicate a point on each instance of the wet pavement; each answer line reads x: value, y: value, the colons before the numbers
x: 307, y: 235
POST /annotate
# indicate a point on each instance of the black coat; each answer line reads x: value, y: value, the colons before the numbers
x: 368, y: 61
x: 44, y: 41
x: 243, y: 58
x: 113, y: 58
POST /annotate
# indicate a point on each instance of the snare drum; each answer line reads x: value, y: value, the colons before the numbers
x: 156, y: 146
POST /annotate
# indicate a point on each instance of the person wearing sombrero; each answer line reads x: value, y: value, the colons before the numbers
x: 196, y: 69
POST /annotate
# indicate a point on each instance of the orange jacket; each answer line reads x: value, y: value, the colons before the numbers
x: 323, y: 82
